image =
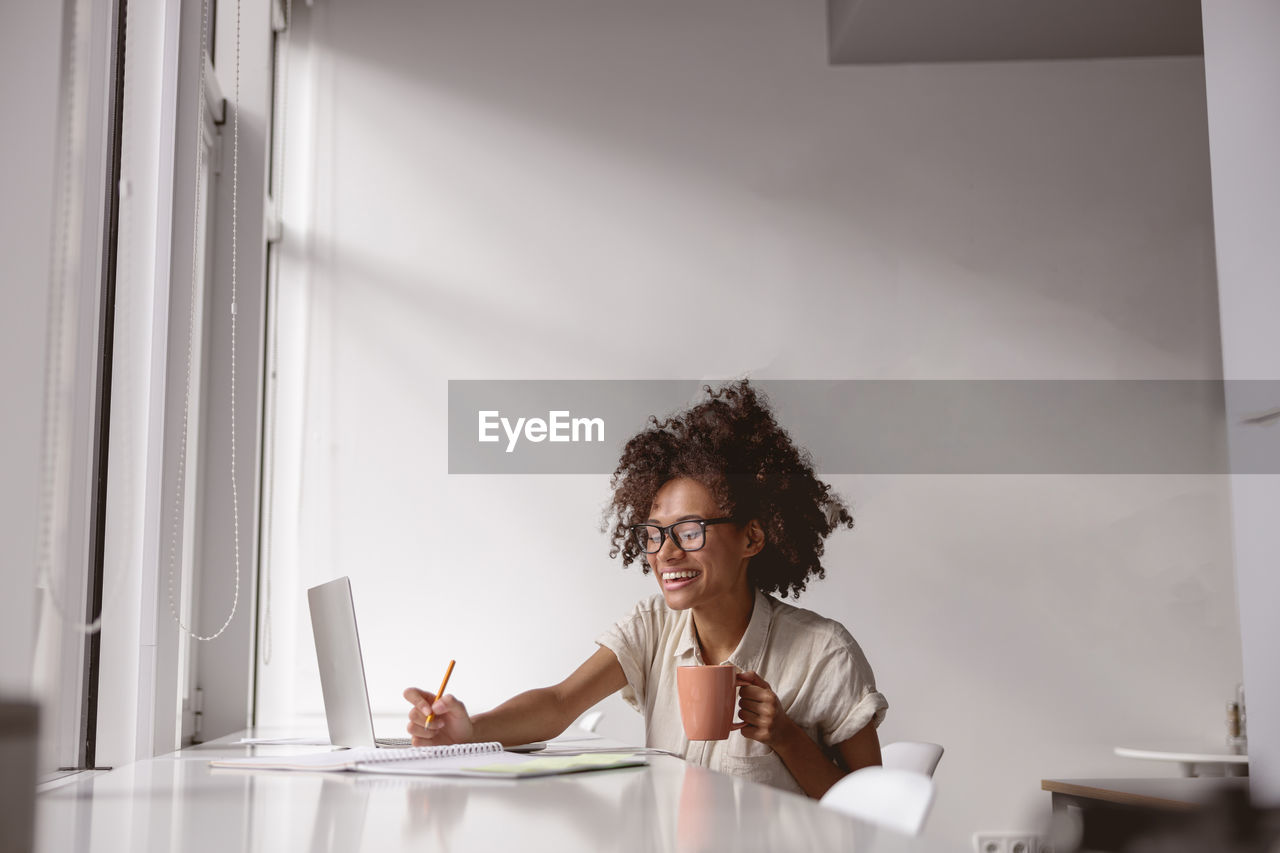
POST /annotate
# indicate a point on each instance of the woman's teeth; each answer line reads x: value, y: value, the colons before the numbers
x: 672, y: 576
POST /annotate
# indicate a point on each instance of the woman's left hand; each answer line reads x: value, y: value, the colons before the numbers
x: 761, y: 712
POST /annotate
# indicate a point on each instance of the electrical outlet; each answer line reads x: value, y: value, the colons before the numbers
x: 1010, y: 842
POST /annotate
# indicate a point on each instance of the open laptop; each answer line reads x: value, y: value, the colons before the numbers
x: 346, y: 694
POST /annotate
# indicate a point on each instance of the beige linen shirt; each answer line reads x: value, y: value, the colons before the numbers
x: 815, y: 667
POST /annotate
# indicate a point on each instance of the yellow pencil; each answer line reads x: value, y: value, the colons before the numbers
x: 443, y: 685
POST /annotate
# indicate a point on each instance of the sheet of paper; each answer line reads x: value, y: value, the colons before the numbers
x: 557, y: 748
x: 505, y: 765
x: 286, y: 741
x: 342, y: 759
x: 368, y: 759
x: 557, y: 764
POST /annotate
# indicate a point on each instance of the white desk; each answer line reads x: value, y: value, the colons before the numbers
x: 177, y: 802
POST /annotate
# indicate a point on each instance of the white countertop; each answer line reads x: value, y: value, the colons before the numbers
x: 178, y: 803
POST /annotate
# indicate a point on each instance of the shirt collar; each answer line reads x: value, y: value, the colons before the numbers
x: 750, y: 650
x: 687, y: 647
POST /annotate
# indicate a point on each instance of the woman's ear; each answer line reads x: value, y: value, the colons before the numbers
x: 755, y: 537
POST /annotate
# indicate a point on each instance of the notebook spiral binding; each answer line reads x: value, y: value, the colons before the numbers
x: 451, y: 751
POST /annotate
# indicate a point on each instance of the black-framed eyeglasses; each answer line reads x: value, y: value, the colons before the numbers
x: 689, y: 535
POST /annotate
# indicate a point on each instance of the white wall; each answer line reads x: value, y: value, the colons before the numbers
x: 490, y: 189
x: 30, y: 45
x: 1242, y: 71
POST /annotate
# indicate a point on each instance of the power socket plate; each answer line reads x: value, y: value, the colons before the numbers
x: 1010, y: 841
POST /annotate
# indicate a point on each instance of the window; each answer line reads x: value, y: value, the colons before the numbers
x: 77, y: 385
x: 140, y: 520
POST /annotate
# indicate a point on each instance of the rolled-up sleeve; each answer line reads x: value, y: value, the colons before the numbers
x: 852, y: 699
x: 631, y: 640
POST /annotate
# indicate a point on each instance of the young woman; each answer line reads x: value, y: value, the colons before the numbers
x: 725, y: 510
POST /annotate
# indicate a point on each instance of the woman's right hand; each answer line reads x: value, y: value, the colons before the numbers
x: 451, y: 723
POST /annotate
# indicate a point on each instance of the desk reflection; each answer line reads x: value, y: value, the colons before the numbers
x: 682, y: 808
x: 670, y: 807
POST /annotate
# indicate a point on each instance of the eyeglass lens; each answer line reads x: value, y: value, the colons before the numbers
x: 688, y: 536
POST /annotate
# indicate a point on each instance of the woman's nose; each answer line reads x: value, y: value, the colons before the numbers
x: 669, y: 550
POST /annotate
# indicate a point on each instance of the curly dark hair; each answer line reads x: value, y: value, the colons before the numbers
x: 732, y: 444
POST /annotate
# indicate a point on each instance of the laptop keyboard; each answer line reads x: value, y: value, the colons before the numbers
x: 393, y: 741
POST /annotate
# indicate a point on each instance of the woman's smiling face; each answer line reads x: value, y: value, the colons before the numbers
x: 717, y: 570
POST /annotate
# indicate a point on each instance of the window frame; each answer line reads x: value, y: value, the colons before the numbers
x: 65, y: 666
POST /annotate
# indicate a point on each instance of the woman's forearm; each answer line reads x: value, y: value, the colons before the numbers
x: 531, y: 716
x: 809, y: 765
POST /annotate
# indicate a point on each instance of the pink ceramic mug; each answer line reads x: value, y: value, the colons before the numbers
x: 707, y: 695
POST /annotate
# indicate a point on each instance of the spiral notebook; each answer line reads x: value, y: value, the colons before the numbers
x: 466, y: 759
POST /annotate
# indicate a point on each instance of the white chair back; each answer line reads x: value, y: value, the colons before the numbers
x: 895, y: 799
x: 912, y: 755
x: 588, y: 721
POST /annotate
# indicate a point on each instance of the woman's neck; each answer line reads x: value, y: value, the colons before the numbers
x: 719, y: 628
